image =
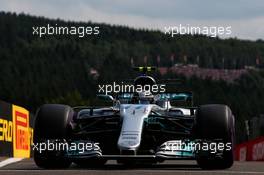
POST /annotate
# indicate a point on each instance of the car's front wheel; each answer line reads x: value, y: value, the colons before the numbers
x: 215, y: 122
x: 51, y: 125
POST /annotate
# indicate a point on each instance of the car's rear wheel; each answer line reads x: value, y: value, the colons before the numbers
x: 52, y: 123
x: 215, y: 122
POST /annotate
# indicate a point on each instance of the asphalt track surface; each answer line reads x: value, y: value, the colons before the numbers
x: 27, y: 167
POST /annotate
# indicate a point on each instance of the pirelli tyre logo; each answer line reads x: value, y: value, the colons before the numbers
x: 21, y: 134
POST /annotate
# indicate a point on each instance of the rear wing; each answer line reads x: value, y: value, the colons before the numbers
x: 178, y: 96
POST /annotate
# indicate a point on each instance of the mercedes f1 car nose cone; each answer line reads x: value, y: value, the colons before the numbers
x: 133, y: 120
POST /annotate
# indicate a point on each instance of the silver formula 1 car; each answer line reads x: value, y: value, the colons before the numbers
x: 139, y: 128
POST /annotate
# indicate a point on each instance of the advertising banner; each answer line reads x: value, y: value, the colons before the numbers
x: 16, y: 132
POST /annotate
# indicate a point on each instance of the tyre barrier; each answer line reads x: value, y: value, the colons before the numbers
x: 16, y: 131
x: 252, y: 150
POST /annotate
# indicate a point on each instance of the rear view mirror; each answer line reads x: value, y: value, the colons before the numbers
x: 104, y: 97
x: 157, y: 97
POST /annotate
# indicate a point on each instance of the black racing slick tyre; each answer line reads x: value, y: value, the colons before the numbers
x: 215, y: 122
x: 52, y: 122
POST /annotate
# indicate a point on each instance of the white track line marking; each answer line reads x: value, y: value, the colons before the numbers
x: 139, y: 171
x: 9, y: 161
